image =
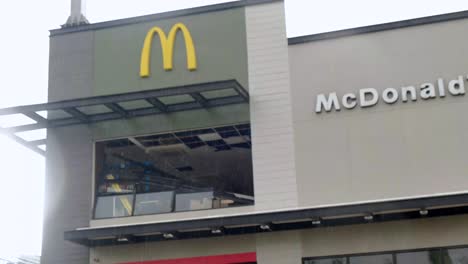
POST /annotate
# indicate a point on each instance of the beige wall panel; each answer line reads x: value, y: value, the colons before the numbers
x: 279, y: 248
x: 390, y: 236
x: 385, y: 151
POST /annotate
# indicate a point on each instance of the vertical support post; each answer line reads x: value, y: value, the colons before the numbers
x: 77, y: 14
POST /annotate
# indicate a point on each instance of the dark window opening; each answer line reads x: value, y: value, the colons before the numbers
x: 174, y: 172
x: 455, y: 255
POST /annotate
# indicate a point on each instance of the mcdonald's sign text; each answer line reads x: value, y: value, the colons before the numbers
x: 368, y: 97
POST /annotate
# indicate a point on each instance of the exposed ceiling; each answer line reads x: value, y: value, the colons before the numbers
x: 217, y: 157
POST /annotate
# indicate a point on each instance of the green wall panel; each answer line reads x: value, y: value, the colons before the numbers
x: 220, y: 44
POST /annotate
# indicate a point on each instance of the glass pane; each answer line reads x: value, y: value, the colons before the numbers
x: 219, y: 93
x: 94, y: 109
x: 421, y: 257
x: 153, y: 203
x: 176, y: 99
x: 372, y: 259
x: 130, y: 105
x: 455, y: 256
x: 326, y: 261
x: 114, y: 206
x: 53, y: 114
x: 194, y: 201
x: 207, y: 168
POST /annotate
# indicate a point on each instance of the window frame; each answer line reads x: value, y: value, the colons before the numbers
x: 95, y: 176
x: 394, y: 253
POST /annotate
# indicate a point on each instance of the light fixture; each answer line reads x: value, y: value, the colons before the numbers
x: 122, y: 239
x: 216, y: 231
x: 168, y: 235
x: 317, y: 221
x: 423, y: 212
x: 369, y: 217
x: 265, y: 227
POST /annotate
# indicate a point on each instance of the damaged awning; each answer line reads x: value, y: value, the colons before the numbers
x: 120, y: 106
x: 271, y: 221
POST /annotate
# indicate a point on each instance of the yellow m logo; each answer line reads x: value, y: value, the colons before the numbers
x: 167, y: 44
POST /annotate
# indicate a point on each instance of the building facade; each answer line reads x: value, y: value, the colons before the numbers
x: 207, y: 136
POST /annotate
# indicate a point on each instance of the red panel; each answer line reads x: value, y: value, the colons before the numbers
x: 222, y: 259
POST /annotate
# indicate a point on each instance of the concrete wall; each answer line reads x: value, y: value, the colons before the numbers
x: 68, y: 193
x: 270, y: 108
x: 385, y: 151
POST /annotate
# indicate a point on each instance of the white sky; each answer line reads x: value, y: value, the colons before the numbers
x: 23, y: 66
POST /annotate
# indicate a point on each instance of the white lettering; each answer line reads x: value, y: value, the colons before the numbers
x: 368, y: 97
x: 404, y: 93
x: 349, y: 101
x: 390, y: 95
x: 327, y: 104
x: 440, y: 83
x: 368, y: 92
x: 428, y: 91
x: 457, y: 87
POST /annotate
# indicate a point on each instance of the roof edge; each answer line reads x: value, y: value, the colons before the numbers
x: 379, y: 27
x: 159, y: 16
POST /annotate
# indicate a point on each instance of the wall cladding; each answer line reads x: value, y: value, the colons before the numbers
x: 68, y: 197
x: 270, y: 108
x: 385, y: 151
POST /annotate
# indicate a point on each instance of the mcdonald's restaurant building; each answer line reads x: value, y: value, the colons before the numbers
x: 206, y: 136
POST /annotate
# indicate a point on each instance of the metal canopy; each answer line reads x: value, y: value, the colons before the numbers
x: 158, y: 101
x: 294, y: 219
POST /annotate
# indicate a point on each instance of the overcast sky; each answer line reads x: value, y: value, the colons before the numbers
x: 24, y: 59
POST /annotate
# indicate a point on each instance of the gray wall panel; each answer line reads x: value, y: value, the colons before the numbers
x: 71, y: 63
x: 68, y: 196
x: 385, y: 151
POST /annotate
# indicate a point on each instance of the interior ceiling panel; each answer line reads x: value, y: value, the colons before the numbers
x: 225, y: 156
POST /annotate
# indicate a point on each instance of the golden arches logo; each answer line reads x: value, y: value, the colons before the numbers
x: 167, y: 45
